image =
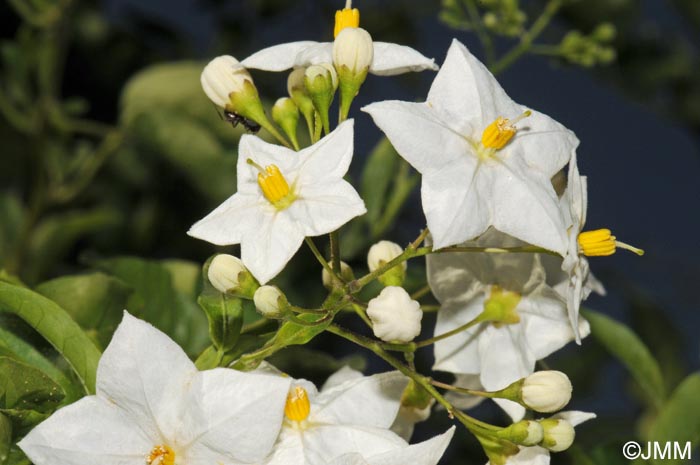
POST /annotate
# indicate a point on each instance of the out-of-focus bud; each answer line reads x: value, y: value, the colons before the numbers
x: 269, y: 301
x: 546, y: 391
x: 416, y: 404
x: 228, y: 274
x: 321, y: 81
x: 382, y: 253
x: 501, y: 307
x: 353, y: 52
x: 558, y: 434
x: 525, y: 433
x: 395, y: 316
x: 286, y: 114
x: 345, y: 273
x: 223, y: 76
x: 296, y: 87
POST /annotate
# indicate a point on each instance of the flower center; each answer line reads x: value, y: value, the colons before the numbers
x: 273, y: 185
x: 601, y: 243
x: 347, y: 17
x: 500, y: 132
x: 499, y: 308
x: 298, y: 406
x: 161, y: 455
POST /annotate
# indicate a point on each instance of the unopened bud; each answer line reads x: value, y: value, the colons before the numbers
x: 525, y: 433
x: 346, y: 275
x: 296, y: 88
x: 546, y: 391
x: 269, y: 301
x: 353, y: 52
x: 223, y: 76
x: 395, y: 316
x: 382, y: 253
x: 321, y: 81
x: 224, y: 272
x: 558, y: 434
x: 286, y: 114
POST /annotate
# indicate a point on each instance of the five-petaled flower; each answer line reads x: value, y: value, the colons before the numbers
x: 284, y: 196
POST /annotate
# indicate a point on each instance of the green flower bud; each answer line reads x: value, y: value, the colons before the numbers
x: 286, y: 114
x: 296, y: 88
x: 525, y: 433
x: 321, y: 81
x: 353, y: 52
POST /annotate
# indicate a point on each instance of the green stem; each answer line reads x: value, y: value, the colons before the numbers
x: 472, y: 424
x: 422, y: 292
x: 321, y: 259
x: 335, y: 252
x: 472, y: 392
x: 528, y: 37
x: 440, y: 337
x: 480, y: 30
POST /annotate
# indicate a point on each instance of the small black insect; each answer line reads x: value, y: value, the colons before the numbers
x: 235, y: 119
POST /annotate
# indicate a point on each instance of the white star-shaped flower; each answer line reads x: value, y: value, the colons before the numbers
x: 389, y: 59
x: 485, y: 160
x: 284, y: 196
x: 577, y: 281
x: 536, y: 323
x: 537, y: 455
x: 153, y: 407
x: 352, y: 414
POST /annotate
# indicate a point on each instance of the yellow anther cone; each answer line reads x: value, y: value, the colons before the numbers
x: 298, y: 406
x: 347, y: 17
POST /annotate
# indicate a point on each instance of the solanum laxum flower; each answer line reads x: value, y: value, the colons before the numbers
x: 284, y: 196
x: 485, y: 160
x: 386, y: 59
x: 153, y: 407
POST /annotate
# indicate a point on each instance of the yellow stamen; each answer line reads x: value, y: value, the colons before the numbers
x: 347, y: 17
x: 601, y: 243
x: 298, y: 406
x: 161, y: 455
x: 500, y: 132
x: 274, y: 187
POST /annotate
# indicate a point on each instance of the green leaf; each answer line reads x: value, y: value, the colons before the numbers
x: 15, y: 347
x: 296, y: 334
x: 23, y: 387
x: 679, y: 419
x: 377, y: 176
x: 52, y: 238
x: 157, y: 301
x: 95, y: 301
x: 57, y: 327
x: 5, y: 438
x: 626, y: 346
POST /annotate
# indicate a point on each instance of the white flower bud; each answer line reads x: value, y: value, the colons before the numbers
x: 354, y: 50
x: 222, y: 76
x: 269, y: 301
x: 295, y: 81
x: 546, y: 391
x: 395, y: 316
x: 524, y: 432
x: 383, y: 252
x: 323, y: 70
x: 558, y: 434
x: 535, y: 433
x: 345, y: 273
x: 224, y: 271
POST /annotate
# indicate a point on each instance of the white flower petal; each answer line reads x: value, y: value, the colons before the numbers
x: 325, y: 207
x: 534, y: 455
x: 505, y: 356
x: 575, y: 417
x: 371, y: 401
x: 391, y: 59
x: 454, y: 203
x: 315, y: 54
x: 237, y: 415
x: 330, y: 441
x: 329, y: 158
x: 264, y: 153
x: 341, y: 376
x: 546, y: 326
x: 278, y: 57
x: 90, y: 430
x: 514, y: 410
x: 465, y: 401
x: 267, y: 249
x: 147, y: 375
x: 526, y: 206
x: 465, y: 90
x: 459, y: 353
x: 424, y: 453
x: 227, y: 224
x: 418, y: 134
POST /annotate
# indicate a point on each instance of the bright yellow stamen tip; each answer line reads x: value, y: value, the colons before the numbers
x: 347, y: 17
x: 298, y: 406
x: 274, y: 187
x: 601, y: 243
x: 161, y: 455
x: 500, y: 132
